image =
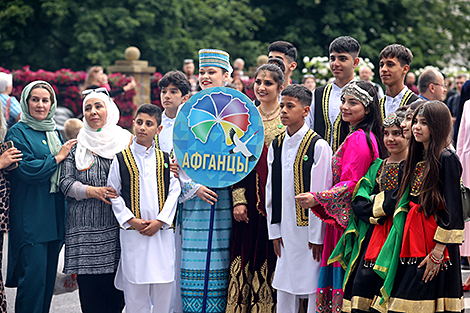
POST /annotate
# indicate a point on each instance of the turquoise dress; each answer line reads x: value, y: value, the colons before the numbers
x: 36, y: 216
x: 195, y: 217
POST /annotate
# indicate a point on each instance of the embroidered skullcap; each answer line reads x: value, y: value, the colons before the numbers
x: 214, y: 57
x: 394, y: 118
x: 5, y: 81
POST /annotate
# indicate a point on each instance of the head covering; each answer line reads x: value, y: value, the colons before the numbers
x: 394, y: 119
x: 353, y: 90
x: 217, y: 58
x: 106, y: 141
x: 47, y: 125
x: 5, y: 81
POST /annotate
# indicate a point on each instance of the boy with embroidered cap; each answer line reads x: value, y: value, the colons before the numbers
x: 298, y: 161
x: 214, y: 71
x: 145, y: 210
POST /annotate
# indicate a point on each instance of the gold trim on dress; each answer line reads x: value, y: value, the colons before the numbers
x: 238, y: 196
x: 448, y: 236
x: 378, y: 210
x: 438, y: 305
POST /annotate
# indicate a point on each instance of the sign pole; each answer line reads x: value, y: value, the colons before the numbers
x: 208, y: 259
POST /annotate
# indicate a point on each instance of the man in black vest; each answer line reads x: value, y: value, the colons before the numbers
x: 324, y: 117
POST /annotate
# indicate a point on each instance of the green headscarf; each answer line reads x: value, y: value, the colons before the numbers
x: 47, y: 125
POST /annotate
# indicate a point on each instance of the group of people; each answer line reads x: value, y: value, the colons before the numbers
x: 354, y: 204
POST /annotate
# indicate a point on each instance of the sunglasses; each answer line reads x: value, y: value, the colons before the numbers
x: 88, y: 91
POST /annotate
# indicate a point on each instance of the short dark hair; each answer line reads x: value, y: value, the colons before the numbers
x: 402, y: 53
x: 300, y: 92
x: 176, y: 78
x: 151, y: 110
x: 278, y: 62
x: 345, y: 44
x: 426, y: 78
x: 284, y: 47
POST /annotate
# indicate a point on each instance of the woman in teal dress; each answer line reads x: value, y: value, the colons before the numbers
x: 37, y: 207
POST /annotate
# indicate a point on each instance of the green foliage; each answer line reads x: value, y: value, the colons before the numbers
x: 53, y: 34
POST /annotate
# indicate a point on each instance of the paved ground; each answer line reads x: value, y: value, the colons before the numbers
x: 69, y: 303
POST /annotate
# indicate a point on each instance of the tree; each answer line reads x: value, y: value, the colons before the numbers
x: 52, y: 34
x: 436, y: 31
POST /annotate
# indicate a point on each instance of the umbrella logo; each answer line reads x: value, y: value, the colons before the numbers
x: 219, y: 108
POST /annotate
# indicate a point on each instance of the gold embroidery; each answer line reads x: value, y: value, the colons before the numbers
x: 238, y: 196
x: 359, y: 303
x: 255, y: 289
x: 336, y: 134
x: 302, y: 214
x: 404, y: 100
x: 134, y: 181
x: 448, y: 236
x: 438, y: 305
x: 378, y: 210
x: 272, y: 130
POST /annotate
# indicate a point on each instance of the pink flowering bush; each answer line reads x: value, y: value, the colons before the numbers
x: 67, y: 85
x: 155, y: 93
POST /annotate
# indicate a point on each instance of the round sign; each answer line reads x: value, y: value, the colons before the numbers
x: 218, y: 137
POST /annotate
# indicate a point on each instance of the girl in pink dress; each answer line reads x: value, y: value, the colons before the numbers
x: 360, y: 112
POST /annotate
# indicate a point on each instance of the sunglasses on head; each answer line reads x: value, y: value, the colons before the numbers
x: 88, y: 91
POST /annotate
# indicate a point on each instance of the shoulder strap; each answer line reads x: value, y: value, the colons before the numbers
x: 382, y: 107
x: 302, y: 170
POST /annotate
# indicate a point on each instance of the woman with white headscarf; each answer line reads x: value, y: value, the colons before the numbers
x: 92, y: 233
x: 37, y: 207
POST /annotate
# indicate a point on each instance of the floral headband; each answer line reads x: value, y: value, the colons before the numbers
x: 393, y: 119
x: 357, y: 92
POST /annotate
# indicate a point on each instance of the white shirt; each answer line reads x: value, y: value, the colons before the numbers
x: 165, y: 138
x: 296, y: 270
x: 333, y: 107
x: 144, y: 259
x: 392, y: 104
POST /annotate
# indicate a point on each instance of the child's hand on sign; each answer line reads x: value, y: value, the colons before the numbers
x: 174, y: 168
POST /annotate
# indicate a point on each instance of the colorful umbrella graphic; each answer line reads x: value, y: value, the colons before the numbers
x: 218, y: 108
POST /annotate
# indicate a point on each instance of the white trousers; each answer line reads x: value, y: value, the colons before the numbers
x: 139, y: 298
x: 289, y: 303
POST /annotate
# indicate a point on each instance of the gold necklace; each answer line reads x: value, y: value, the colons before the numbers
x: 267, y: 115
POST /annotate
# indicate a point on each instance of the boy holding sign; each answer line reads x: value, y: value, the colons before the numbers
x: 301, y: 156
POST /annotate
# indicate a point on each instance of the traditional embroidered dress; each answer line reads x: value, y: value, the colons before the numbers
x: 251, y: 272
x: 195, y: 218
x: 368, y: 228
x: 444, y: 292
x: 324, y: 117
x: 349, y: 163
x: 389, y: 104
x: 304, y: 159
x: 147, y: 190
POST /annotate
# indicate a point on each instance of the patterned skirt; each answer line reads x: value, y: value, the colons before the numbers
x: 194, y: 232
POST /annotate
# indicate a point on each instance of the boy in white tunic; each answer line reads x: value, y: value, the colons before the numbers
x: 297, y: 160
x: 145, y: 209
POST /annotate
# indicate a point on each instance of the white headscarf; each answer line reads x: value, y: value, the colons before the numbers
x: 105, y: 142
x: 5, y: 81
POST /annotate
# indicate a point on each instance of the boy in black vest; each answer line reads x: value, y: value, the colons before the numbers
x: 394, y: 63
x: 298, y: 161
x: 145, y: 209
x: 325, y: 117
